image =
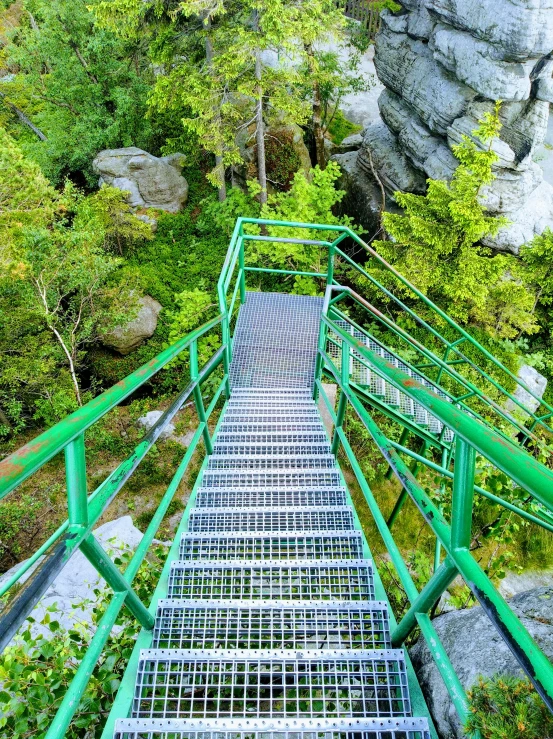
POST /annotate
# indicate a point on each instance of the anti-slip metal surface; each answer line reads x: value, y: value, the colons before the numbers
x: 268, y: 580
x: 300, y: 545
x: 381, y: 728
x: 278, y: 497
x: 272, y: 684
x: 271, y: 519
x: 238, y: 625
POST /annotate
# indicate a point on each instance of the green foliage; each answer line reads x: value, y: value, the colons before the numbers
x: 340, y: 128
x: 36, y: 672
x: 436, y: 244
x: 83, y: 86
x: 58, y: 290
x: 281, y: 158
x: 311, y: 199
x: 504, y: 706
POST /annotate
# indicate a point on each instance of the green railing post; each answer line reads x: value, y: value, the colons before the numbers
x: 463, y: 494
x: 343, y: 402
x: 330, y: 266
x: 427, y: 598
x: 100, y: 560
x: 194, y: 371
x: 241, y: 270
x: 438, y: 546
x: 321, y: 346
x: 75, y: 476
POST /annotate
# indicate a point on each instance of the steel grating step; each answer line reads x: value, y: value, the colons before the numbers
x: 271, y: 462
x: 273, y: 437
x: 273, y: 498
x: 272, y: 579
x: 299, y: 545
x: 272, y: 684
x: 366, y: 728
x: 280, y: 450
x: 228, y: 427
x: 184, y: 624
x: 271, y: 418
x: 267, y: 479
x: 267, y: 520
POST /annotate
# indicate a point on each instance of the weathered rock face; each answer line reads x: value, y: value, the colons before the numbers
x: 152, y: 182
x: 128, y: 337
x: 535, y: 382
x: 476, y: 648
x: 444, y: 63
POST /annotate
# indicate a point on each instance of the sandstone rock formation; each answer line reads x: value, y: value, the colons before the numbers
x: 151, y: 182
x: 128, y: 337
x: 444, y: 63
x: 535, y: 382
x: 475, y: 648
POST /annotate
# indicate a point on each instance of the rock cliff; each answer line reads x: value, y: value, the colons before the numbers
x: 444, y: 63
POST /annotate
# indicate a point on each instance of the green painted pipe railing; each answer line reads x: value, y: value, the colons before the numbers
x: 474, y: 433
x: 84, y: 510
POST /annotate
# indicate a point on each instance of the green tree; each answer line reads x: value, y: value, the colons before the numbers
x: 436, y: 243
x: 85, y: 88
x: 58, y: 288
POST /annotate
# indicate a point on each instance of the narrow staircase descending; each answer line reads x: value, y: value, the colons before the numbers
x: 270, y: 625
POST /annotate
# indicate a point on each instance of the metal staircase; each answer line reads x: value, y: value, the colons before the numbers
x: 268, y: 618
x: 271, y: 623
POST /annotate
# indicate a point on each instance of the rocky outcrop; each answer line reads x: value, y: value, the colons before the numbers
x: 475, y: 648
x: 151, y: 182
x: 71, y: 594
x: 444, y: 63
x: 129, y: 336
x: 534, y: 382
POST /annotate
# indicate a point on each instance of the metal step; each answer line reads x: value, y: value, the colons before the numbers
x: 273, y: 437
x: 250, y: 728
x: 272, y: 498
x: 228, y: 427
x: 267, y: 520
x: 271, y: 462
x: 266, y: 479
x: 243, y: 416
x: 272, y: 580
x: 184, y: 624
x: 299, y: 545
x: 272, y: 684
x: 280, y: 450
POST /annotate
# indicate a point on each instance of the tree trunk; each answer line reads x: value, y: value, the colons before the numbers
x: 260, y: 126
x: 23, y: 118
x: 219, y: 165
x: 318, y: 132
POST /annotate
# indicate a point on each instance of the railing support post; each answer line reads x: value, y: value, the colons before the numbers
x: 75, y: 476
x: 321, y: 345
x: 96, y: 555
x: 194, y: 371
x: 241, y: 270
x: 427, y: 598
x: 343, y: 402
x: 463, y: 494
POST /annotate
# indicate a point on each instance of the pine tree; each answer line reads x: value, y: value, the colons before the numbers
x: 436, y: 244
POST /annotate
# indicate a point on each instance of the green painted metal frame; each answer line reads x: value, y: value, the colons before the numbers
x: 84, y: 510
x: 471, y: 436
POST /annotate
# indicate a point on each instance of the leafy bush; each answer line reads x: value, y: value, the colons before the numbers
x: 503, y: 707
x: 36, y: 672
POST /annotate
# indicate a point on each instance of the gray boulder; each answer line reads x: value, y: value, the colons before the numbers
x: 128, y: 337
x: 72, y: 592
x: 407, y: 66
x: 535, y: 382
x: 475, y: 648
x: 150, y: 419
x: 521, y: 29
x: 510, y: 188
x: 388, y: 159
x: 151, y: 182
